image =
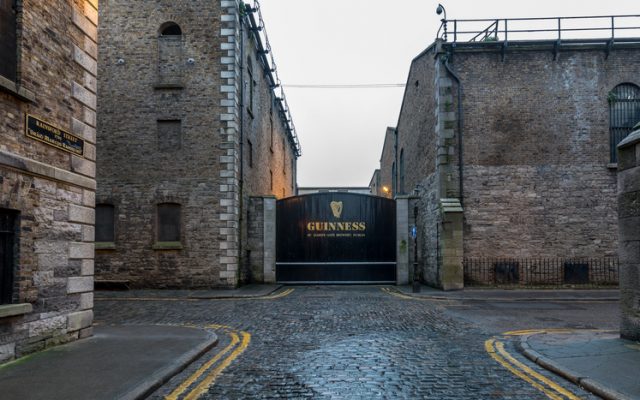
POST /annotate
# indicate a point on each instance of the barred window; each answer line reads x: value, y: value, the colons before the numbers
x: 624, y: 113
x: 168, y: 222
x: 105, y: 223
x: 8, y: 39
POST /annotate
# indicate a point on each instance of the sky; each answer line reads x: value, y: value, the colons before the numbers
x: 351, y: 42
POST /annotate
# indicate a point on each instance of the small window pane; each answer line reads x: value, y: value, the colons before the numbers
x: 168, y: 222
x: 105, y: 223
x: 8, y: 40
x: 171, y: 30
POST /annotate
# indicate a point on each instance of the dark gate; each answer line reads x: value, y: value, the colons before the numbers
x: 7, y: 241
x: 336, y: 238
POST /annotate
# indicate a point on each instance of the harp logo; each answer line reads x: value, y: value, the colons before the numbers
x: 336, y: 208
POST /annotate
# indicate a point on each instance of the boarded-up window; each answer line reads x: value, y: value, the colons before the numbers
x: 105, y: 223
x: 8, y: 40
x: 169, y: 135
x: 170, y: 59
x: 168, y: 222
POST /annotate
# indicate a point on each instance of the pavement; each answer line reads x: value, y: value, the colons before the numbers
x: 599, y: 361
x: 247, y: 291
x: 525, y: 295
x: 118, y: 362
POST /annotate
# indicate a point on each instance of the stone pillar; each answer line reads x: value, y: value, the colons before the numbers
x: 629, y: 229
x: 451, y: 250
x: 402, y: 240
x: 269, y: 240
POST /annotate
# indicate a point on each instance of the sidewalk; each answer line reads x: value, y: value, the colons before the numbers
x: 118, y: 362
x: 243, y: 292
x: 497, y: 294
x: 599, y: 361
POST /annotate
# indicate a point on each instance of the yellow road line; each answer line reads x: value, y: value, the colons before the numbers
x: 569, y: 395
x: 209, y: 379
x: 196, y: 375
x: 489, y: 347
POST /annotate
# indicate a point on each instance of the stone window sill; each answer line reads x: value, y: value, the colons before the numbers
x: 612, y: 165
x: 12, y: 310
x: 167, y: 246
x: 8, y: 86
x: 105, y: 246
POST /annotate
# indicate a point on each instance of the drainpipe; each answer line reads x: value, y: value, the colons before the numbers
x: 460, y: 125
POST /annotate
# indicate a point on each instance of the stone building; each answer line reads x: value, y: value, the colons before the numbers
x: 384, y: 178
x: 192, y: 124
x: 509, y: 150
x: 629, y: 227
x: 47, y: 172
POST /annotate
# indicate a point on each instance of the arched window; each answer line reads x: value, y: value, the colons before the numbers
x: 170, y: 57
x: 401, y: 171
x: 624, y: 113
x: 168, y: 218
x: 105, y: 223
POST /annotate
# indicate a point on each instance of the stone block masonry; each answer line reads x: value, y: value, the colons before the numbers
x: 629, y: 230
x: 48, y: 193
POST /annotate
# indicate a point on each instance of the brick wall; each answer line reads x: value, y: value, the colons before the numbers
x: 52, y: 190
x: 226, y: 151
x: 629, y: 228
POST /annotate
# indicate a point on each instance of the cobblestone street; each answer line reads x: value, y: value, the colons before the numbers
x: 340, y: 342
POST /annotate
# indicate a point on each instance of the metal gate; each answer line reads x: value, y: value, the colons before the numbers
x: 7, y: 240
x: 336, y: 238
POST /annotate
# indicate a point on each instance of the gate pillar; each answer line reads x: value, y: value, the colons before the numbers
x: 269, y: 240
x: 402, y: 240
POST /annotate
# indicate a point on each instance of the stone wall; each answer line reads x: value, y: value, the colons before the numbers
x: 629, y: 228
x: 222, y: 150
x: 536, y: 151
x: 51, y: 191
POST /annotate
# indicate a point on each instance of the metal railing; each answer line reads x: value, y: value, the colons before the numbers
x: 542, y: 272
x: 610, y: 28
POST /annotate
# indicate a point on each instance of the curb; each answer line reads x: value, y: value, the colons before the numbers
x: 550, y: 365
x: 153, y: 382
x: 522, y: 299
x: 237, y: 296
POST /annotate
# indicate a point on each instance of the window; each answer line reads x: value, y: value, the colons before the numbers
x: 271, y: 129
x: 168, y: 222
x: 251, y: 83
x: 293, y: 173
x: 393, y: 179
x: 105, y: 223
x: 401, y: 190
x: 170, y: 58
x: 624, y: 113
x: 271, y: 180
x: 284, y: 159
x: 8, y: 236
x: 169, y: 135
x: 250, y: 153
x: 8, y: 39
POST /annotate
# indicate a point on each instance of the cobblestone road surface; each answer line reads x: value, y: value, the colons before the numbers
x: 352, y: 342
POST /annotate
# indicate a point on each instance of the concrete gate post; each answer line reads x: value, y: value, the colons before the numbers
x: 402, y: 240
x: 269, y: 240
x: 452, y: 269
x: 629, y: 229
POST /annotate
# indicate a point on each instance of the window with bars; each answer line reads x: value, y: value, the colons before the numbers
x: 8, y: 240
x: 624, y: 114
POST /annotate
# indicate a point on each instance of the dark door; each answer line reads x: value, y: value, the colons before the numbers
x: 7, y: 241
x: 336, y: 238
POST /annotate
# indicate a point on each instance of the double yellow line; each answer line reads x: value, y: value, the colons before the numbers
x: 200, y: 381
x: 552, y: 390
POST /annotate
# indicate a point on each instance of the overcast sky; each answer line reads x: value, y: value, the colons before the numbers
x: 319, y: 42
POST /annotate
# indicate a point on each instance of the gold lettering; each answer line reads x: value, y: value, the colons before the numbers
x: 332, y: 226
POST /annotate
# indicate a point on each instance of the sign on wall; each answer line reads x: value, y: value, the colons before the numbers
x: 53, y: 136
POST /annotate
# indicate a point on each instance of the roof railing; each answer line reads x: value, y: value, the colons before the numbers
x: 608, y: 28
